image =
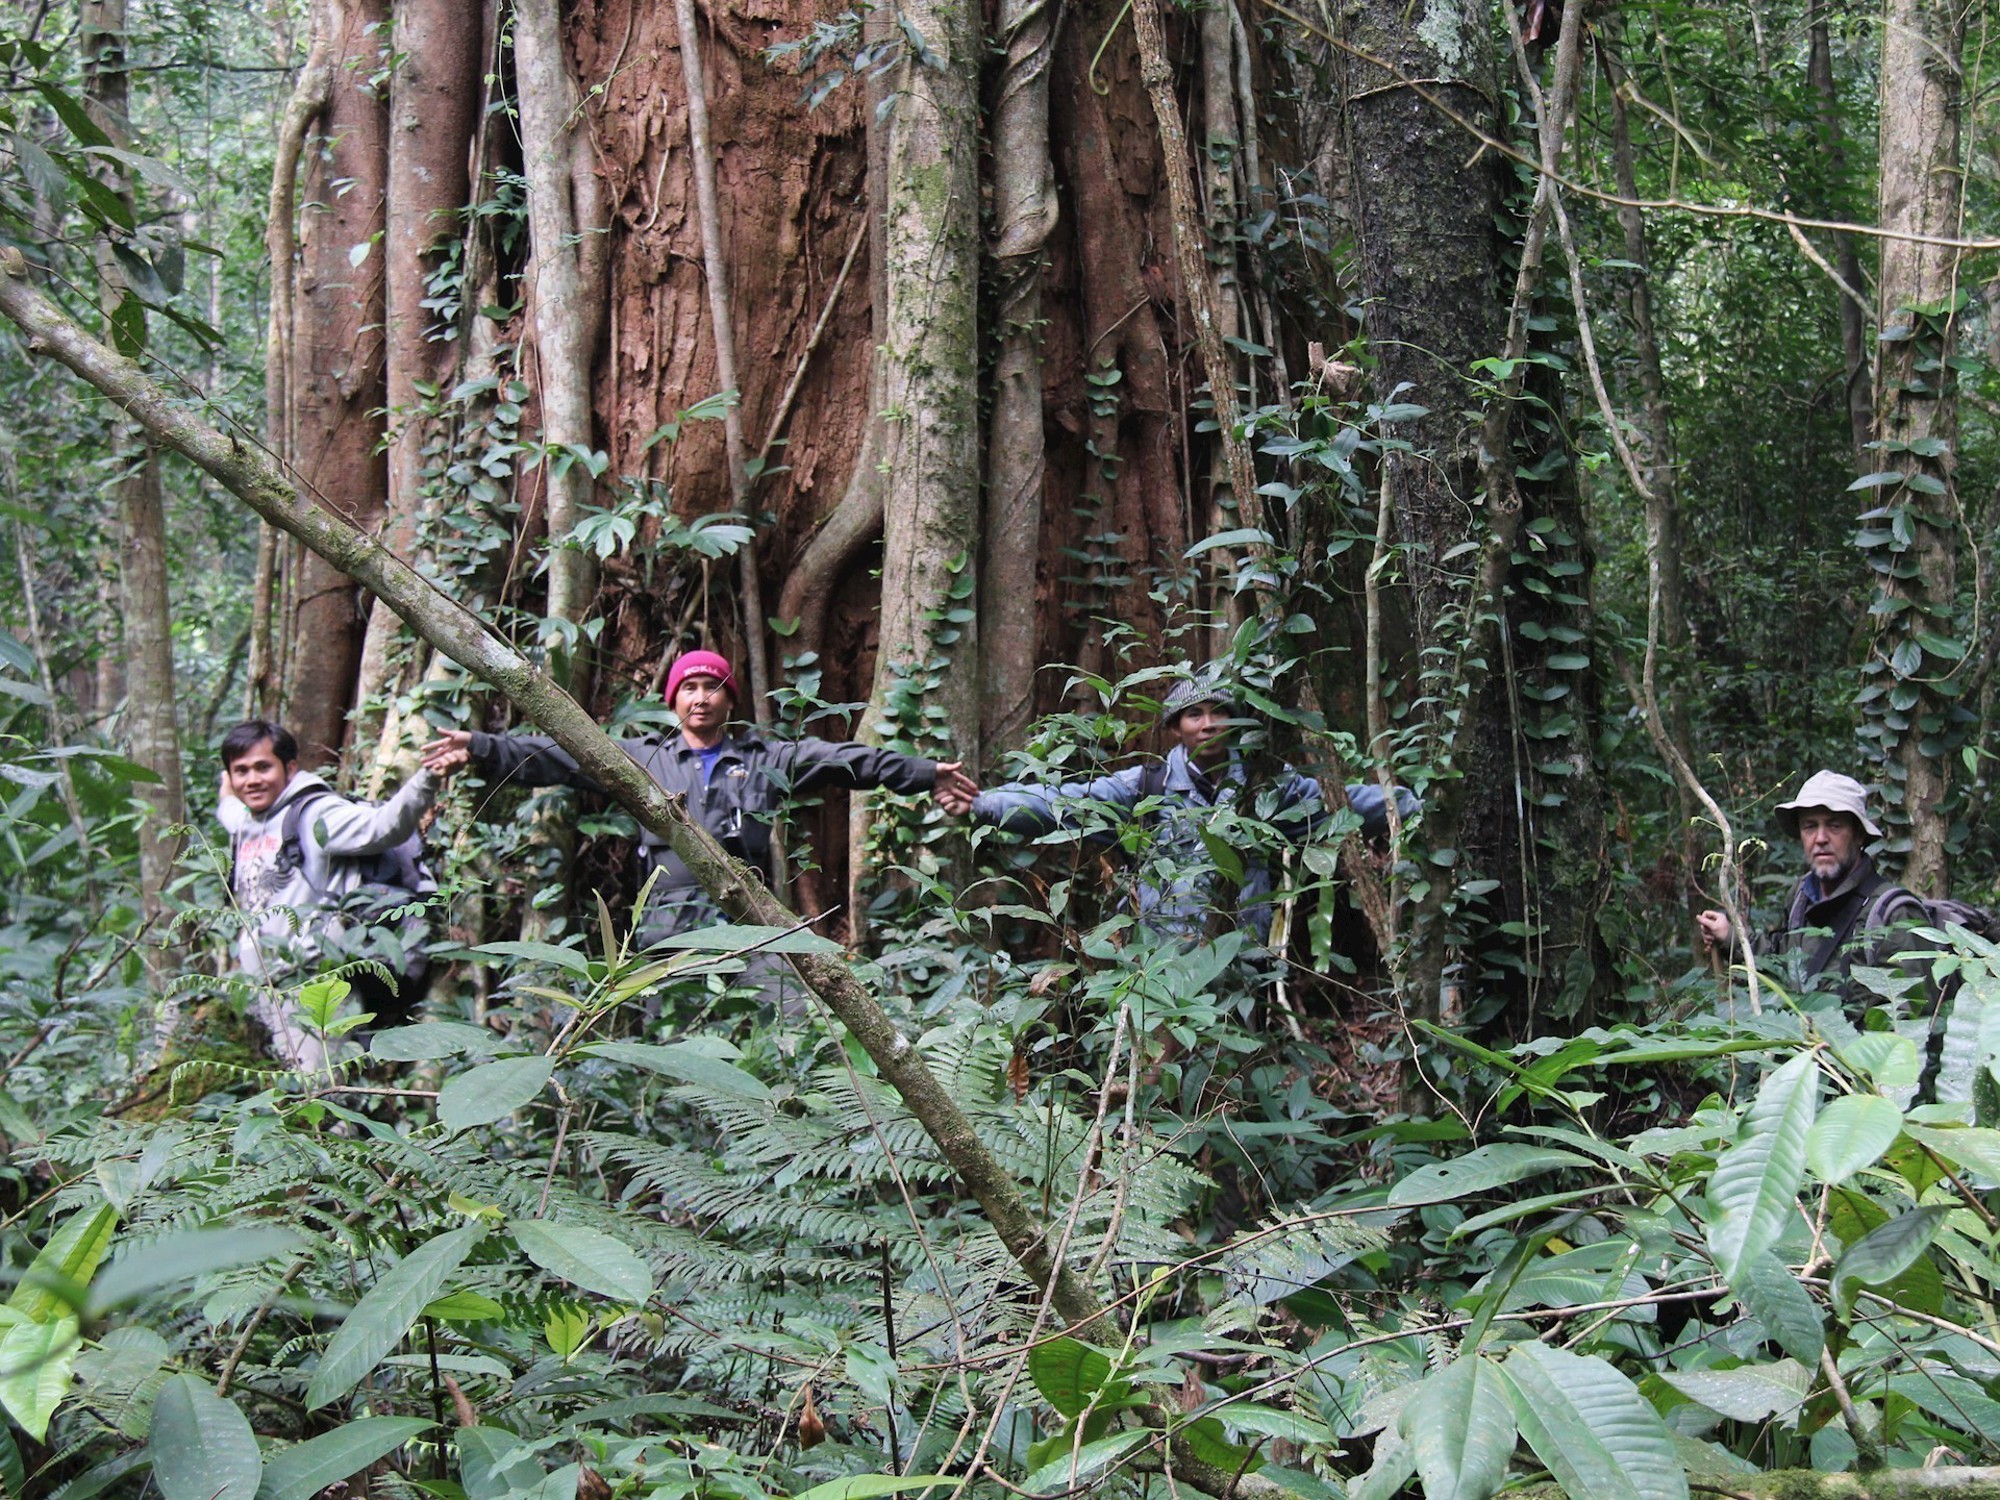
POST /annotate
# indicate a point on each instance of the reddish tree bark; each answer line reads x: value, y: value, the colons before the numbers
x: 337, y: 382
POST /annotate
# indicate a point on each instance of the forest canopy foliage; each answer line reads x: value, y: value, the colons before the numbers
x: 1579, y: 418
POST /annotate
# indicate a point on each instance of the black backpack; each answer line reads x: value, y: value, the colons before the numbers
x: 1946, y: 911
x: 392, y: 924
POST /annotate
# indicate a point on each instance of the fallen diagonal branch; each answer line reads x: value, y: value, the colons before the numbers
x: 249, y: 474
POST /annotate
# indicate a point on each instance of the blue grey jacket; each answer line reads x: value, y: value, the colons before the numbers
x: 1179, y: 905
x: 750, y: 781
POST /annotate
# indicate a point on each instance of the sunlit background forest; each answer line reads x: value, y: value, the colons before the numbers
x: 1582, y: 418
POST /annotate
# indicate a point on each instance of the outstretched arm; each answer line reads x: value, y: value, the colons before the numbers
x: 525, y: 759
x: 343, y: 827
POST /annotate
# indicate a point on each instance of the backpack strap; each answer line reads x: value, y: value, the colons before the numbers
x: 1152, y: 779
x: 291, y: 845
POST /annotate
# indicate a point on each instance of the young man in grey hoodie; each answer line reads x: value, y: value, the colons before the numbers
x: 295, y: 899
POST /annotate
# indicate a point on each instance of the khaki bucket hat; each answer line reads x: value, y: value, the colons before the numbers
x: 1835, y: 793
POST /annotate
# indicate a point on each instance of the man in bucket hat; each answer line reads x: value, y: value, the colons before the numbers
x: 1839, y: 910
x: 734, y: 780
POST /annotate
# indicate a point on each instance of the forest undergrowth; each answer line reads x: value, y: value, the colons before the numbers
x: 600, y: 1222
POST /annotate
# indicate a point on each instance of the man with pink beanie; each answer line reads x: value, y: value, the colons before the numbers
x: 733, y: 780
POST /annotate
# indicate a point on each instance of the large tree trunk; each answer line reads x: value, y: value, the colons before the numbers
x: 1024, y: 215
x: 434, y: 100
x: 336, y: 379
x: 152, y: 733
x: 1916, y: 570
x: 930, y: 386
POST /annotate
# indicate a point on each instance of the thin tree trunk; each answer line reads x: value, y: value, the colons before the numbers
x: 433, y: 106
x: 722, y: 324
x: 1191, y: 259
x: 1916, y: 417
x: 929, y: 352
x: 1847, y: 259
x: 563, y: 220
x: 335, y: 379
x: 1024, y: 215
x: 308, y: 99
x: 151, y: 731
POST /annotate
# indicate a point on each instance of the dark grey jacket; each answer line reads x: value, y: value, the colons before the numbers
x: 1836, y: 930
x: 750, y: 781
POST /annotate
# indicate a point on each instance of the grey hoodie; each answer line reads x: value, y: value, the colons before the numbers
x: 333, y: 826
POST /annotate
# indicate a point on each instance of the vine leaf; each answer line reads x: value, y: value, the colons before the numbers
x: 304, y: 1469
x: 1755, y: 1185
x: 1460, y: 1428
x: 202, y: 1446
x: 1590, y: 1425
x: 380, y: 1319
x: 1852, y: 1133
x: 587, y: 1258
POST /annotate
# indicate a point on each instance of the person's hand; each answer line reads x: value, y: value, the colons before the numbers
x: 450, y: 751
x: 222, y: 790
x: 1714, y: 927
x: 954, y: 790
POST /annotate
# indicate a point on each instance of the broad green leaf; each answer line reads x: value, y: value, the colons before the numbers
x: 1771, y: 1294
x: 1749, y: 1393
x: 1394, y: 1463
x: 380, y: 1319
x: 464, y: 1307
x: 1851, y: 1133
x: 1460, y: 1428
x: 491, y: 1091
x: 1207, y: 1441
x: 685, y: 1062
x: 1070, y: 1470
x: 304, y: 1469
x: 1591, y: 1427
x: 184, y: 1257
x: 1479, y: 1171
x: 1971, y: 1038
x: 35, y: 1364
x: 429, y: 1040
x: 1068, y: 1373
x: 1891, y: 1061
x: 587, y: 1258
x: 1271, y: 1421
x: 13, y: 1473
x: 1886, y: 1252
x: 868, y: 1486
x: 202, y: 1446
x: 65, y: 1264
x: 494, y: 1463
x: 1953, y: 1400
x: 1755, y: 1185
x: 1975, y: 1149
